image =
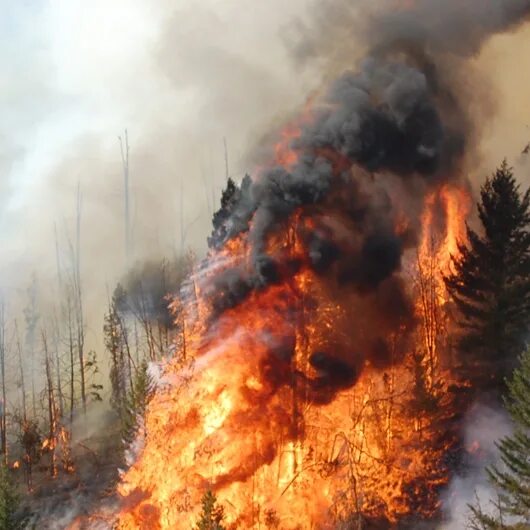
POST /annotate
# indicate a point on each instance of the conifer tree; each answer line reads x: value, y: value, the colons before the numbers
x: 136, y: 401
x: 232, y: 196
x: 212, y: 515
x: 115, y: 342
x: 11, y: 516
x: 512, y: 479
x: 490, y: 280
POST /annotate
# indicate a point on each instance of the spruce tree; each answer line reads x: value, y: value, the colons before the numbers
x: 512, y: 479
x: 114, y: 334
x: 490, y: 279
x: 136, y: 401
x: 212, y: 515
x: 233, y: 198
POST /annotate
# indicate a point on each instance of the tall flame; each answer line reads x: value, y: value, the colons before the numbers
x: 274, y: 457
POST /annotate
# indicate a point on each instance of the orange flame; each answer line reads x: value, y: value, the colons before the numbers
x: 270, y: 455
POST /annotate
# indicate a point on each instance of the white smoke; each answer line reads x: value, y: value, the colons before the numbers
x: 484, y: 425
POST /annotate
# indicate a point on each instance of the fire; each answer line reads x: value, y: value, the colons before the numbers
x: 285, y: 155
x: 228, y: 417
x: 309, y: 388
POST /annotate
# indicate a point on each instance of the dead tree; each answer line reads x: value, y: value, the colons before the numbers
x: 21, y: 372
x: 80, y: 324
x: 52, y: 407
x: 31, y: 316
x: 124, y: 147
x: 3, y: 416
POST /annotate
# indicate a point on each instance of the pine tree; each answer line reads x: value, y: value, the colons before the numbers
x: 231, y: 198
x: 115, y: 342
x: 136, y: 401
x: 11, y: 516
x: 212, y: 515
x: 490, y: 281
x: 512, y: 480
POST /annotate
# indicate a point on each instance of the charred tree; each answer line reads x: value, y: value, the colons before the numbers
x: 79, y: 316
x: 52, y: 407
x: 31, y: 316
x: 124, y: 149
x: 3, y: 417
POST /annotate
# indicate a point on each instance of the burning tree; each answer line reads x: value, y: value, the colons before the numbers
x: 295, y: 395
x: 212, y: 515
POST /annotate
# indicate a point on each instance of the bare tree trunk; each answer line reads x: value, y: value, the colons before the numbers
x: 71, y: 350
x: 79, y: 304
x: 21, y: 371
x: 227, y: 172
x: 124, y: 147
x: 3, y: 417
x: 52, y: 408
x: 60, y: 395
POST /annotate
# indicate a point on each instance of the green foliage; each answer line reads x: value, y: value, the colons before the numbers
x: 115, y: 342
x: 11, y: 516
x: 136, y: 401
x: 490, y: 281
x: 231, y: 197
x: 212, y: 515
x: 512, y: 479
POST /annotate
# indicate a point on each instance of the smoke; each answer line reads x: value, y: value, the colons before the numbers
x: 70, y: 92
x: 452, y: 27
x: 483, y: 426
x: 375, y: 140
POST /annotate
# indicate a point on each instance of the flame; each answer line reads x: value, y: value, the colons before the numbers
x: 285, y: 154
x: 455, y: 202
x: 272, y: 454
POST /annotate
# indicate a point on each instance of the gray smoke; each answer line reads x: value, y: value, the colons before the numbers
x: 403, y: 112
x: 483, y: 426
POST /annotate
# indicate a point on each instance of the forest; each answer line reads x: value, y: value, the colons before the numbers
x: 472, y: 323
x: 296, y: 297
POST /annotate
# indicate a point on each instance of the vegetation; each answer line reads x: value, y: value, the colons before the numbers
x: 136, y: 401
x: 490, y: 282
x: 12, y: 517
x: 511, y: 480
x: 212, y: 514
x: 57, y: 374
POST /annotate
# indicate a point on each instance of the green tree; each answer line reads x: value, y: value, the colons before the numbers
x: 136, y: 401
x: 231, y: 199
x: 212, y: 515
x: 115, y: 336
x: 512, y: 479
x: 11, y: 515
x: 490, y: 280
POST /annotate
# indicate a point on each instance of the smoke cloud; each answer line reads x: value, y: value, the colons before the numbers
x: 483, y: 425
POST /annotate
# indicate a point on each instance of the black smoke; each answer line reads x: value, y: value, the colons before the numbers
x: 396, y: 122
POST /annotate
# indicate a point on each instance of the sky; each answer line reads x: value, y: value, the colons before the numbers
x: 180, y: 77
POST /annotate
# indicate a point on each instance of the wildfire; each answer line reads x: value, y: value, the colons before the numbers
x: 310, y: 388
x: 232, y: 419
